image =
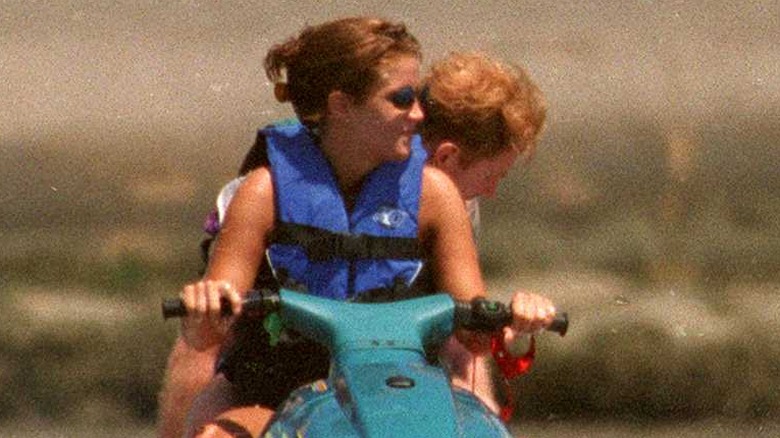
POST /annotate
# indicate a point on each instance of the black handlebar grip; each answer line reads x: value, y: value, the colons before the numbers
x: 486, y: 316
x: 255, y: 302
x: 174, y: 308
x: 560, y: 324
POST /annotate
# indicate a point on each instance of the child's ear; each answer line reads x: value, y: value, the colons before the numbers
x: 447, y: 156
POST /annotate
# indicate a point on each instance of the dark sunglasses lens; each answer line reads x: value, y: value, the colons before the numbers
x: 404, y: 98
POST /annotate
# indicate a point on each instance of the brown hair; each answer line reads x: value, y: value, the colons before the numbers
x: 481, y: 105
x: 341, y: 55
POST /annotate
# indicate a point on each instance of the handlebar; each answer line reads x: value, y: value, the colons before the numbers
x: 479, y: 314
x: 488, y: 316
x: 256, y: 301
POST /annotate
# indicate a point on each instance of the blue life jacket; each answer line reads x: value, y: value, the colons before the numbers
x: 328, y: 250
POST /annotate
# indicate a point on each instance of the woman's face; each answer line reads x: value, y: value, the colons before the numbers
x: 387, y: 120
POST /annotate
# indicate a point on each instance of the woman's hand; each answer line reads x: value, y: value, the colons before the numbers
x: 205, y: 326
x: 531, y: 313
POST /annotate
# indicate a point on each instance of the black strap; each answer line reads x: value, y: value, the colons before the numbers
x: 257, y: 155
x: 322, y: 245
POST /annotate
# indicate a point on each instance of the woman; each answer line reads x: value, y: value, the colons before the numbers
x: 351, y: 83
x: 481, y: 116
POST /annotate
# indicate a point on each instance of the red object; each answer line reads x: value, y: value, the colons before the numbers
x: 511, y: 367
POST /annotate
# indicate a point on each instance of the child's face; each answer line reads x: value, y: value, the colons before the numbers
x: 481, y: 178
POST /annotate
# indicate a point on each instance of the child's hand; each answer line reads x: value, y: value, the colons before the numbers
x: 205, y: 326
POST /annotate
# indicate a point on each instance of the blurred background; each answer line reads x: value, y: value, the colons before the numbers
x: 650, y: 213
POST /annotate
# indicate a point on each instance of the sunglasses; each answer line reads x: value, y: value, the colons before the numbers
x: 404, y: 98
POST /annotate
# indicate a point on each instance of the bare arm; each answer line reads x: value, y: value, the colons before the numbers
x: 234, y: 263
x: 446, y: 234
x: 242, y: 241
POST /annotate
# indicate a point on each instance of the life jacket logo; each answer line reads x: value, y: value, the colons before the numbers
x: 390, y: 217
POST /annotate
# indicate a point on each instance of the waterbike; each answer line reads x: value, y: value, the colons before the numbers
x: 380, y: 384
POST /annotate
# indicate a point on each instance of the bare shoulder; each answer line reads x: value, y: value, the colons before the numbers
x: 437, y: 185
x: 257, y: 181
x: 440, y: 199
x: 255, y: 194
